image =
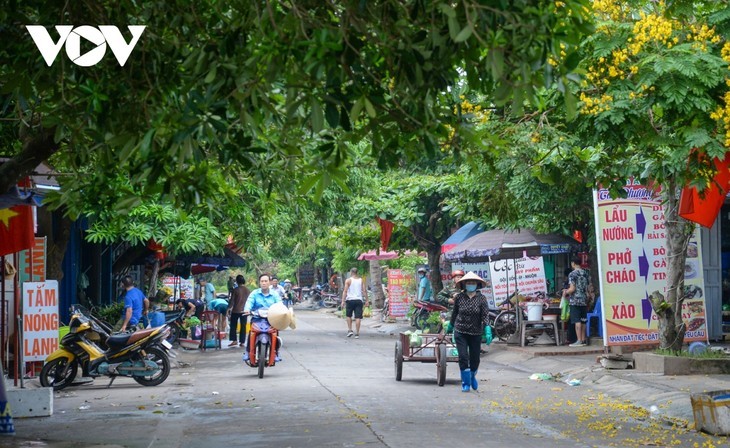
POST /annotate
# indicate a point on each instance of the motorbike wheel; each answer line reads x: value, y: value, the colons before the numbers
x: 58, y: 373
x: 420, y: 320
x: 158, y: 356
x: 262, y: 358
x: 505, y: 325
x: 330, y: 301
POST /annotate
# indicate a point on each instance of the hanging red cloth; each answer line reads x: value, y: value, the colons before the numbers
x: 16, y: 229
x: 704, y: 210
x: 386, y: 230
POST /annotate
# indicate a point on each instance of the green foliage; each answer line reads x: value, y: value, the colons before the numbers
x: 707, y: 354
x: 243, y: 85
x: 111, y: 313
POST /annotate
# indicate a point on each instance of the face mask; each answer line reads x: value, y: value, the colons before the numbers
x: 471, y: 288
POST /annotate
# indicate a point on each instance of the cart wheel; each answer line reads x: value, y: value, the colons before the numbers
x: 398, y: 360
x: 441, y: 365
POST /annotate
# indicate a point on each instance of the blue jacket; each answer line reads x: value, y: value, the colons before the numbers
x: 258, y: 299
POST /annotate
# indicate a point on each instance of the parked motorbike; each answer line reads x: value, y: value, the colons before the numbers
x: 174, y: 319
x: 264, y: 342
x: 142, y: 355
x: 422, y: 311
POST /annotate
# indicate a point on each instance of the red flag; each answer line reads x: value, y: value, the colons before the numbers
x: 386, y: 229
x: 16, y: 229
x: 704, y: 210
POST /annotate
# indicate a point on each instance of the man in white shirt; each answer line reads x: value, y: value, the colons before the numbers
x: 354, y: 298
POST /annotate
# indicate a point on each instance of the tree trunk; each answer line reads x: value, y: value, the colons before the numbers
x: 57, y: 243
x: 152, y: 290
x: 377, y: 284
x: 35, y: 150
x: 669, y: 310
x: 434, y: 255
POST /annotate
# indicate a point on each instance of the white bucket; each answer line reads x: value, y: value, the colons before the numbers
x: 534, y: 311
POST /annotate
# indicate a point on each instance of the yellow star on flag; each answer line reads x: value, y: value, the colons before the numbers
x: 6, y: 215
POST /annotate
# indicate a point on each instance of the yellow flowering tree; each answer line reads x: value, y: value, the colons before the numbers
x: 655, y: 91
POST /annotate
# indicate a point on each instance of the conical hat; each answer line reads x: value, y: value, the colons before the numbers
x: 293, y: 323
x: 471, y: 276
x: 279, y: 316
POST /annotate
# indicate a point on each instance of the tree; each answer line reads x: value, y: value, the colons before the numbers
x: 655, y: 92
x: 211, y: 81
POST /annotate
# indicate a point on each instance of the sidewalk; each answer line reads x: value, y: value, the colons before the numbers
x: 666, y: 397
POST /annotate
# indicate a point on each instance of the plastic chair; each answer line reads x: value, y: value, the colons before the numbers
x: 209, y: 324
x: 598, y: 313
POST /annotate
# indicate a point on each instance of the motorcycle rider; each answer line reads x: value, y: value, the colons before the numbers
x: 288, y: 298
x: 263, y: 297
x: 276, y: 288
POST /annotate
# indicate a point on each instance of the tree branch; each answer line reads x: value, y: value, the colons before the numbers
x: 36, y: 149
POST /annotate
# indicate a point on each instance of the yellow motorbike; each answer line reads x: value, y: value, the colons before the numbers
x: 142, y: 355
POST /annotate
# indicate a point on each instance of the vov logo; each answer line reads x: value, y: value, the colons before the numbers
x: 105, y: 34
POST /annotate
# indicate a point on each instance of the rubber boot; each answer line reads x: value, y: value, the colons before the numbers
x: 465, y: 380
x: 474, y: 382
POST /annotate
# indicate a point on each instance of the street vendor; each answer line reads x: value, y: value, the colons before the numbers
x: 469, y: 322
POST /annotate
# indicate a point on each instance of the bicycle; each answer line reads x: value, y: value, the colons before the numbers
x: 505, y: 323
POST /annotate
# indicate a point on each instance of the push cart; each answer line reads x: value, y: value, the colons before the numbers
x: 434, y: 348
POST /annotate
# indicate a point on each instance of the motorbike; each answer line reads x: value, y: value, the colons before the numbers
x: 174, y: 319
x: 142, y: 355
x: 264, y: 342
x: 422, y: 310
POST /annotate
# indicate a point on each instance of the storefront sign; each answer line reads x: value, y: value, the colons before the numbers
x: 398, y: 302
x: 40, y: 319
x: 526, y: 274
x: 35, y: 259
x: 632, y: 262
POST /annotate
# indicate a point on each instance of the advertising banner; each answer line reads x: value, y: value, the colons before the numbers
x: 40, y: 319
x: 632, y: 262
x: 181, y: 288
x: 398, y: 302
x: 34, y: 258
x: 482, y: 270
x: 526, y: 274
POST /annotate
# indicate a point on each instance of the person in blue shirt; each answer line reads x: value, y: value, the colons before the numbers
x: 263, y: 297
x: 424, y: 285
x: 207, y: 292
x: 135, y: 304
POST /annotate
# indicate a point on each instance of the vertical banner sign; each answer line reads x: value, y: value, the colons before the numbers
x: 483, y: 271
x: 398, y: 302
x: 632, y: 262
x: 40, y: 319
x: 34, y: 257
x: 526, y: 274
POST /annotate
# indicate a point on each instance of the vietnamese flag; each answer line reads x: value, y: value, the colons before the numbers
x: 16, y: 229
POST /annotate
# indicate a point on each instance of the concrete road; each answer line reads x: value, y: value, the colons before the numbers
x: 341, y: 392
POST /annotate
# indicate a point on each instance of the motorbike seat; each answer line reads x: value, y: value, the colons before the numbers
x: 120, y: 340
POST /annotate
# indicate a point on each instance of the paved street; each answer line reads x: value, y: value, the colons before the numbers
x: 335, y: 391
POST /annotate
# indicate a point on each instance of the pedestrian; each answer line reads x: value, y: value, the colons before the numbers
x: 447, y: 295
x: 231, y: 286
x: 469, y: 322
x: 577, y: 295
x: 207, y: 292
x: 263, y: 297
x: 424, y: 285
x: 288, y: 297
x: 136, y: 304
x: 220, y: 306
x: 192, y: 307
x: 570, y: 336
x: 238, y: 301
x: 354, y: 298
